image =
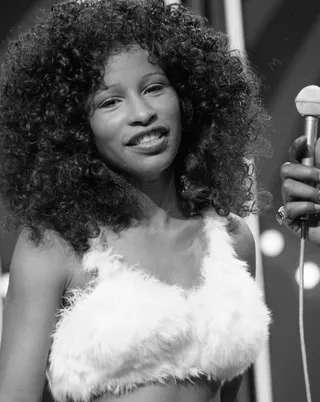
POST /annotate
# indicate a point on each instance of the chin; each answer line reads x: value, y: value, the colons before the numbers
x: 153, y: 168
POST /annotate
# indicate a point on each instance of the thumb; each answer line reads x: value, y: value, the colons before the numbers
x: 298, y: 149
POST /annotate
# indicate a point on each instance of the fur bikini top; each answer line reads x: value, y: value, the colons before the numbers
x: 127, y: 329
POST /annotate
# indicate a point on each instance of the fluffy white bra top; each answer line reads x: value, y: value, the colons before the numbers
x: 128, y: 329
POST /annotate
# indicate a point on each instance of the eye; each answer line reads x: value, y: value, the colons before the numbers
x: 154, y: 88
x: 109, y: 103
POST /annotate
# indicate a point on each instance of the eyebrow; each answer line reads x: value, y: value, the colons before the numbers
x: 154, y: 73
x: 105, y: 87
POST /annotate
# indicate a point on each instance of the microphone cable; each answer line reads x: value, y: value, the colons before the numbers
x: 304, y: 229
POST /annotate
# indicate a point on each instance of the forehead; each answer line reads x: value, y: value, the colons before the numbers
x: 131, y: 63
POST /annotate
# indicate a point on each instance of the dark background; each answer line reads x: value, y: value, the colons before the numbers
x: 282, y: 40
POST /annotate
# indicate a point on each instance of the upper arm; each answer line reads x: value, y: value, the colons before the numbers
x: 245, y: 248
x: 244, y: 241
x: 37, y: 282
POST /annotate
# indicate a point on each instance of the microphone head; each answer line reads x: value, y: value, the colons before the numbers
x: 308, y: 101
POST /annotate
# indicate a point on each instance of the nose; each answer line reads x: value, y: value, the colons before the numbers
x: 140, y: 112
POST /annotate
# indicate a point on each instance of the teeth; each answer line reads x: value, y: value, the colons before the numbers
x: 148, y: 138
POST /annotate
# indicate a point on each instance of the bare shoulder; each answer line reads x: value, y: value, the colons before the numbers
x: 243, y: 240
x: 39, y: 276
x: 51, y: 260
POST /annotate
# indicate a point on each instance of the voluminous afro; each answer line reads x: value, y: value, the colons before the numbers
x: 51, y: 175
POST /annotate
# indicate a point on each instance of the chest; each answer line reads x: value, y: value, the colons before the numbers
x: 130, y: 329
x: 175, y: 260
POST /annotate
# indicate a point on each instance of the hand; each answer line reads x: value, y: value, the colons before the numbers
x: 299, y: 194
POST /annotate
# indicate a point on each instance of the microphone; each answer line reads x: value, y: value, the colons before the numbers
x: 308, y: 105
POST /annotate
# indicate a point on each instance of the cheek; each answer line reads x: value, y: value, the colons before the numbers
x: 103, y: 138
x: 172, y: 106
x: 103, y: 131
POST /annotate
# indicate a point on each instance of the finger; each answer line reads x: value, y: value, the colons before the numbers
x: 295, y: 209
x: 298, y: 149
x: 299, y: 172
x: 317, y: 154
x: 296, y: 190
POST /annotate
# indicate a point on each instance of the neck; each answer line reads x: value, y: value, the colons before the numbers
x: 159, y: 200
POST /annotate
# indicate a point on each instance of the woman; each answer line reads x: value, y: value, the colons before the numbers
x: 124, y: 131
x: 300, y: 191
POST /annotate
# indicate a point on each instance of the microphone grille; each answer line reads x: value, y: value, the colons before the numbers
x: 308, y: 101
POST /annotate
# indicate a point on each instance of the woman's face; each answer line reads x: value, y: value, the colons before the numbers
x: 136, y: 118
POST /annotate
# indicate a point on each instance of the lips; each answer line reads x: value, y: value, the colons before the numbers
x: 159, y: 131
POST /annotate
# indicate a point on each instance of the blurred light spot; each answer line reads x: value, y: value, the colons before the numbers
x: 4, y: 283
x: 311, y: 276
x: 271, y: 242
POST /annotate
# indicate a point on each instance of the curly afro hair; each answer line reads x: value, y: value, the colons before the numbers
x: 51, y: 174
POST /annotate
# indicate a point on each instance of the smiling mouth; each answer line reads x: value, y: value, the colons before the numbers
x: 148, y: 137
